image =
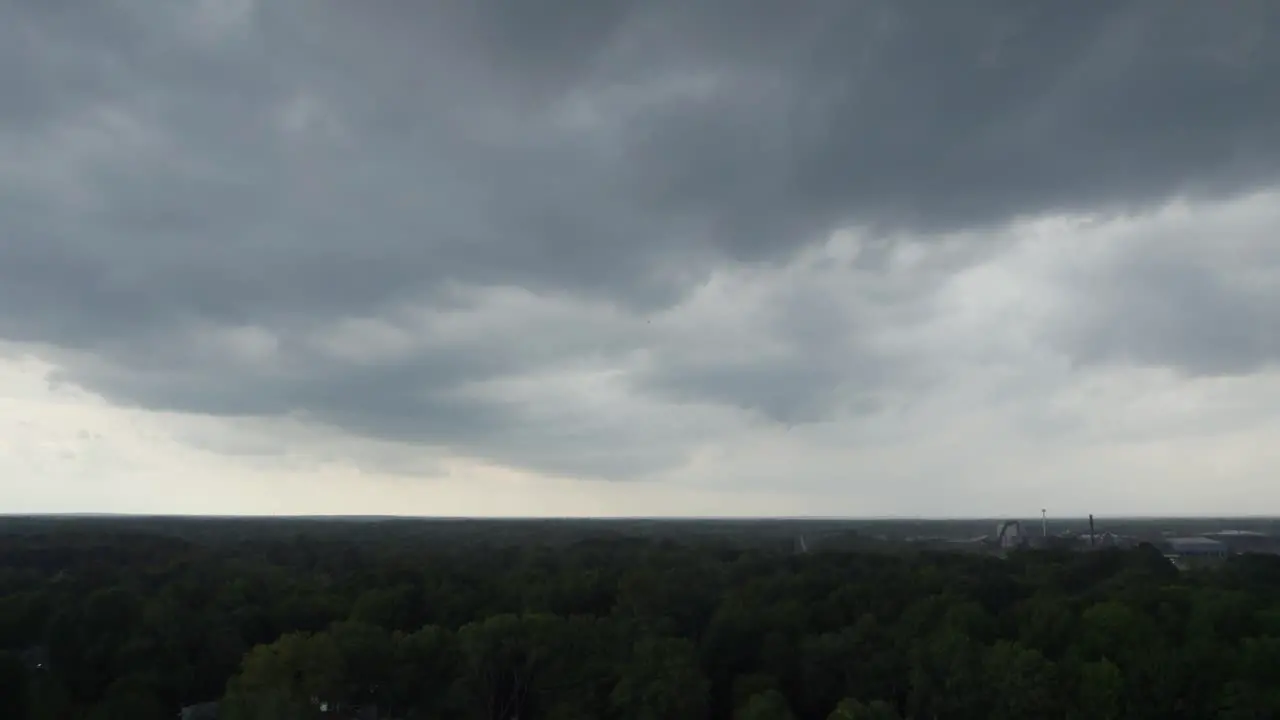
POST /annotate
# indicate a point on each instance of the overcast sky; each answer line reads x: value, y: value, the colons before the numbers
x: 640, y: 257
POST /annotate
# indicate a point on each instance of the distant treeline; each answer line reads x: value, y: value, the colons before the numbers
x: 104, y: 621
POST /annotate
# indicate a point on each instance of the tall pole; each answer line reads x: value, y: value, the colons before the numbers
x: 1044, y: 522
x: 1091, y: 535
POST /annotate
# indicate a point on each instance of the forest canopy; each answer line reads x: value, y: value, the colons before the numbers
x: 309, y: 621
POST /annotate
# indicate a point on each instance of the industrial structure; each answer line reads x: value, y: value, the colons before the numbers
x: 1185, y: 542
x: 1205, y: 549
x: 1009, y: 534
x: 1187, y: 552
x: 1196, y: 547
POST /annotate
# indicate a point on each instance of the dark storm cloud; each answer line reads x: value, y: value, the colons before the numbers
x: 1172, y: 308
x: 400, y: 401
x: 315, y: 160
x: 816, y: 369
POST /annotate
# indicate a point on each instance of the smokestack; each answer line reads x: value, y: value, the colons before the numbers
x: 1090, y: 529
x: 1044, y: 522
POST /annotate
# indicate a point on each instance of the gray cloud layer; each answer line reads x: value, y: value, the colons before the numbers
x: 287, y: 165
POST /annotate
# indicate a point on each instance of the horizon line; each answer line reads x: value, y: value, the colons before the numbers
x: 863, y: 518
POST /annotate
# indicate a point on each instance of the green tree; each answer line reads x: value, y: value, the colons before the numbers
x: 1099, y: 691
x: 1022, y: 682
x: 284, y: 678
x: 1046, y: 623
x: 767, y: 705
x: 507, y: 657
x: 662, y: 681
x: 674, y: 595
x: 1253, y: 692
x: 850, y: 709
x: 87, y: 640
x: 947, y: 678
x: 590, y: 653
x: 747, y: 686
x: 426, y: 670
x: 390, y: 608
x: 1114, y: 630
x: 15, y: 687
x: 367, y: 659
x: 856, y: 661
x: 130, y: 699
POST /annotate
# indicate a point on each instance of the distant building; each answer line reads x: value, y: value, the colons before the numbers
x: 1246, y: 541
x: 1111, y: 540
x: 1197, y: 547
x: 1186, y: 552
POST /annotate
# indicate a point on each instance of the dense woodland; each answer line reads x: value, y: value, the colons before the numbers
x: 136, y: 622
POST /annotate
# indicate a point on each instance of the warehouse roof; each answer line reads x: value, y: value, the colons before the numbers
x: 1201, y: 544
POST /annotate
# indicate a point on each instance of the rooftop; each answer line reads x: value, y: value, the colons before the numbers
x: 1199, y: 543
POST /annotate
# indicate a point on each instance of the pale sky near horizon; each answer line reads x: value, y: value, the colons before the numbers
x: 640, y: 257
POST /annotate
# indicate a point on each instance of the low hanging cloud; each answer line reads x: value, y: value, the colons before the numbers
x: 609, y: 239
x: 1189, y: 288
